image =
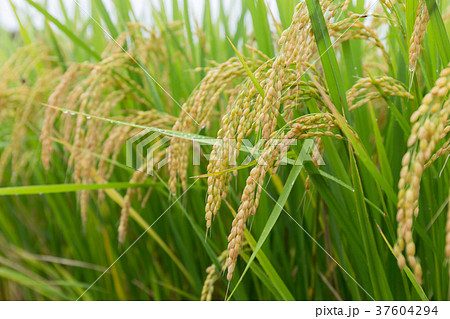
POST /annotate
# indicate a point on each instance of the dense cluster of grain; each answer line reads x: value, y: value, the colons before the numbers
x: 418, y: 33
x: 428, y: 126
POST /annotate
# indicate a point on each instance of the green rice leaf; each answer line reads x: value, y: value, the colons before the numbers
x: 438, y: 32
x: 77, y: 41
x: 64, y: 188
x: 247, y: 69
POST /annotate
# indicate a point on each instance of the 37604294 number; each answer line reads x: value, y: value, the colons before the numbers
x: 404, y: 310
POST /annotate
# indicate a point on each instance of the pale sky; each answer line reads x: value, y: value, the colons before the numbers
x: 141, y: 9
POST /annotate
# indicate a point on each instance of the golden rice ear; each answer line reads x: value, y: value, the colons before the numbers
x: 365, y: 89
x: 51, y: 114
x: 208, y: 285
x: 428, y: 126
x: 213, y: 274
x: 420, y: 26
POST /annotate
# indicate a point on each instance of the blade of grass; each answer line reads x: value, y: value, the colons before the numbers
x: 263, y: 34
x: 437, y: 32
x: 385, y: 166
x: 41, y: 287
x: 408, y: 272
x: 247, y: 69
x: 76, y: 40
x: 64, y: 188
x: 57, y: 46
x: 376, y: 271
x: 23, y: 30
x: 98, y: 5
x: 327, y: 57
x: 116, y: 197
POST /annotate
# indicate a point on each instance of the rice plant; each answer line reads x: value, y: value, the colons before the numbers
x: 294, y: 150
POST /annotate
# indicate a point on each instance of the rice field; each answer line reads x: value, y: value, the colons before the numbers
x: 225, y: 150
